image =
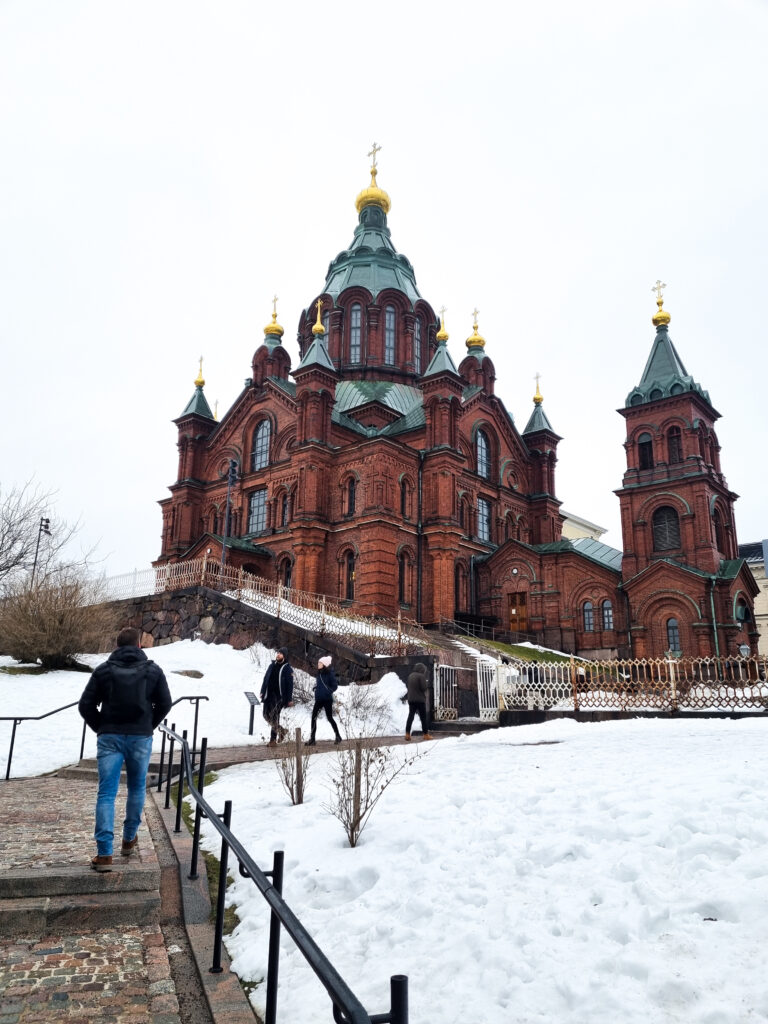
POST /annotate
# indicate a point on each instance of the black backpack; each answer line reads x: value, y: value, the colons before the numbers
x: 128, y: 692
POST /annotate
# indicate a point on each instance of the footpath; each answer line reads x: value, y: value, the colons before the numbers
x: 132, y: 946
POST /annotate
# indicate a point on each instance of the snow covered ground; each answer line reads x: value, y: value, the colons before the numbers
x: 560, y: 873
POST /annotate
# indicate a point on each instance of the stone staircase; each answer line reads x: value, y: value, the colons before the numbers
x: 46, y: 883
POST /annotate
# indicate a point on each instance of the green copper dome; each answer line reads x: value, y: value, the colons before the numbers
x: 371, y: 261
x: 664, y: 373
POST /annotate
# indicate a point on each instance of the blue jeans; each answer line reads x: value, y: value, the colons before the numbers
x: 111, y: 751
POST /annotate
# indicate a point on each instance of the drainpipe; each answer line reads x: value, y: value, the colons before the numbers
x: 419, y: 540
x: 714, y: 617
x: 629, y: 622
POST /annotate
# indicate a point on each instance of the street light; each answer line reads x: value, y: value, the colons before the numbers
x: 231, y: 479
x: 744, y: 650
x: 43, y: 528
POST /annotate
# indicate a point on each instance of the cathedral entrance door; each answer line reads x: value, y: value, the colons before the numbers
x: 518, y: 613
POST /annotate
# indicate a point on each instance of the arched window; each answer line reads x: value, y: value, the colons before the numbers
x: 326, y: 325
x: 459, y: 588
x: 483, y: 520
x: 673, y: 635
x: 403, y: 498
x: 483, y: 454
x: 284, y: 509
x: 417, y: 345
x: 588, y: 616
x: 401, y: 569
x: 674, y: 445
x: 645, y: 451
x: 257, y: 510
x: 389, y: 335
x: 719, y: 532
x: 355, y: 331
x: 351, y: 488
x: 462, y: 514
x: 666, y: 529
x: 286, y: 572
x: 607, y: 610
x: 350, y: 576
x: 260, y: 450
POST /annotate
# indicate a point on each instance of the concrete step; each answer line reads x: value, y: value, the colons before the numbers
x: 127, y: 876
x: 61, y: 915
x: 457, y: 726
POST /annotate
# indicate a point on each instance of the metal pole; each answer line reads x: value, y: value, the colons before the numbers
x: 82, y: 741
x: 10, y: 752
x: 273, y: 963
x: 170, y: 767
x: 180, y: 787
x: 219, y: 927
x: 198, y: 809
x: 44, y: 527
x: 162, y: 760
x: 194, y: 731
x: 231, y: 478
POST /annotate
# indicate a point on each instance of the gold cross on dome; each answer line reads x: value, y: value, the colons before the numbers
x: 441, y: 311
x: 374, y: 150
x: 659, y: 288
x: 274, y: 304
x: 475, y: 315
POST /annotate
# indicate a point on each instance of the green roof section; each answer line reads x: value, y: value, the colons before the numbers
x: 441, y: 362
x: 198, y: 406
x: 317, y: 355
x: 538, y: 420
x: 664, y: 373
x: 371, y: 261
x: 603, y: 554
x: 402, y: 399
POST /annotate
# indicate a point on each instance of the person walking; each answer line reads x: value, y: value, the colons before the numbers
x: 125, y: 700
x: 325, y: 687
x: 417, y: 693
x: 276, y: 694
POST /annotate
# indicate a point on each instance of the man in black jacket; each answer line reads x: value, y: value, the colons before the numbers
x: 277, y: 693
x: 125, y: 700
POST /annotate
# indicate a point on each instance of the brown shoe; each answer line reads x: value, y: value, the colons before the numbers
x: 272, y: 743
x: 426, y: 736
x: 129, y: 845
x: 101, y: 864
x: 407, y: 737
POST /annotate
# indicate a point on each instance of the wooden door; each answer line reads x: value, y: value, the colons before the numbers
x: 518, y: 613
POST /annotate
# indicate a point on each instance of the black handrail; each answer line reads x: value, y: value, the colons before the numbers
x: 347, y: 1008
x: 18, y: 719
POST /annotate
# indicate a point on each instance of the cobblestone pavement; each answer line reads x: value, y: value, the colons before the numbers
x: 121, y: 976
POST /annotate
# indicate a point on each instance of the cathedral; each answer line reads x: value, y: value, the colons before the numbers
x: 379, y: 473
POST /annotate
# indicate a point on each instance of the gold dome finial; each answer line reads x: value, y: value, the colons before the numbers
x: 373, y: 195
x: 216, y: 410
x: 318, y: 330
x: 200, y: 380
x: 661, y: 316
x: 274, y: 328
x: 442, y: 335
x: 475, y: 340
x: 538, y: 398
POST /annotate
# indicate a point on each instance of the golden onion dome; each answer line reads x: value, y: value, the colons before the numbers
x: 661, y: 316
x: 475, y: 340
x: 317, y: 328
x: 200, y: 380
x: 373, y: 195
x: 538, y: 398
x: 274, y: 329
x: 442, y: 335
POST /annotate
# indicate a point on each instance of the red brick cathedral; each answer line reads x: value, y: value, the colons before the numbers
x: 379, y: 473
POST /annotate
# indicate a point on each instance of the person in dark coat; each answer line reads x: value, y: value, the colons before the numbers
x: 325, y: 687
x: 417, y: 693
x: 125, y: 700
x: 276, y: 694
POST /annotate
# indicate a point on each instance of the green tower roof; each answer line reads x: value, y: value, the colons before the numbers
x: 198, y: 405
x: 664, y: 373
x: 371, y: 261
x: 317, y: 355
x: 538, y: 420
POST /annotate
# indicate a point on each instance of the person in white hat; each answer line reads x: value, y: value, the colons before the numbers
x: 325, y: 687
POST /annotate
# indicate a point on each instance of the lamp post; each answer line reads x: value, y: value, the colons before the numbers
x: 231, y: 479
x: 744, y: 650
x: 43, y: 528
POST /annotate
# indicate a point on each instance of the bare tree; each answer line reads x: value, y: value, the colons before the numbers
x: 293, y: 767
x: 30, y: 533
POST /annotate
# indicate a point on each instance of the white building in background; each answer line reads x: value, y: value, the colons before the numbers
x: 755, y: 554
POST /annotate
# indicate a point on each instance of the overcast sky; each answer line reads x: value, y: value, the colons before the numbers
x: 166, y: 167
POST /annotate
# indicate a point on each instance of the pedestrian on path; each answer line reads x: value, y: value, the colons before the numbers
x: 276, y: 694
x: 325, y: 687
x: 418, y: 694
x: 125, y: 700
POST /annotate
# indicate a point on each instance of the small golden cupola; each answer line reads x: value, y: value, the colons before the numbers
x: 538, y: 398
x: 273, y: 331
x: 199, y: 379
x: 442, y: 335
x: 373, y: 195
x: 475, y: 340
x: 661, y: 317
x: 317, y: 328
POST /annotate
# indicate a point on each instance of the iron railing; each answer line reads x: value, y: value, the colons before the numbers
x: 347, y: 1008
x: 18, y: 719
x: 343, y: 622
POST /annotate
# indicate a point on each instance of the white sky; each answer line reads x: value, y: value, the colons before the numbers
x: 166, y: 167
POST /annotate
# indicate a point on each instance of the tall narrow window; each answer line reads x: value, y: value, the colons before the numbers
x: 355, y: 318
x: 645, y: 451
x: 719, y: 533
x: 350, y: 576
x: 351, y: 488
x: 401, y: 568
x: 483, y: 520
x: 674, y: 445
x: 403, y: 498
x: 284, y: 509
x: 389, y: 335
x: 462, y: 514
x: 588, y: 616
x: 666, y: 529
x: 260, y: 451
x: 483, y: 454
x: 673, y: 635
x: 417, y: 345
x: 607, y: 615
x: 257, y: 511
x: 286, y: 572
x: 326, y: 325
